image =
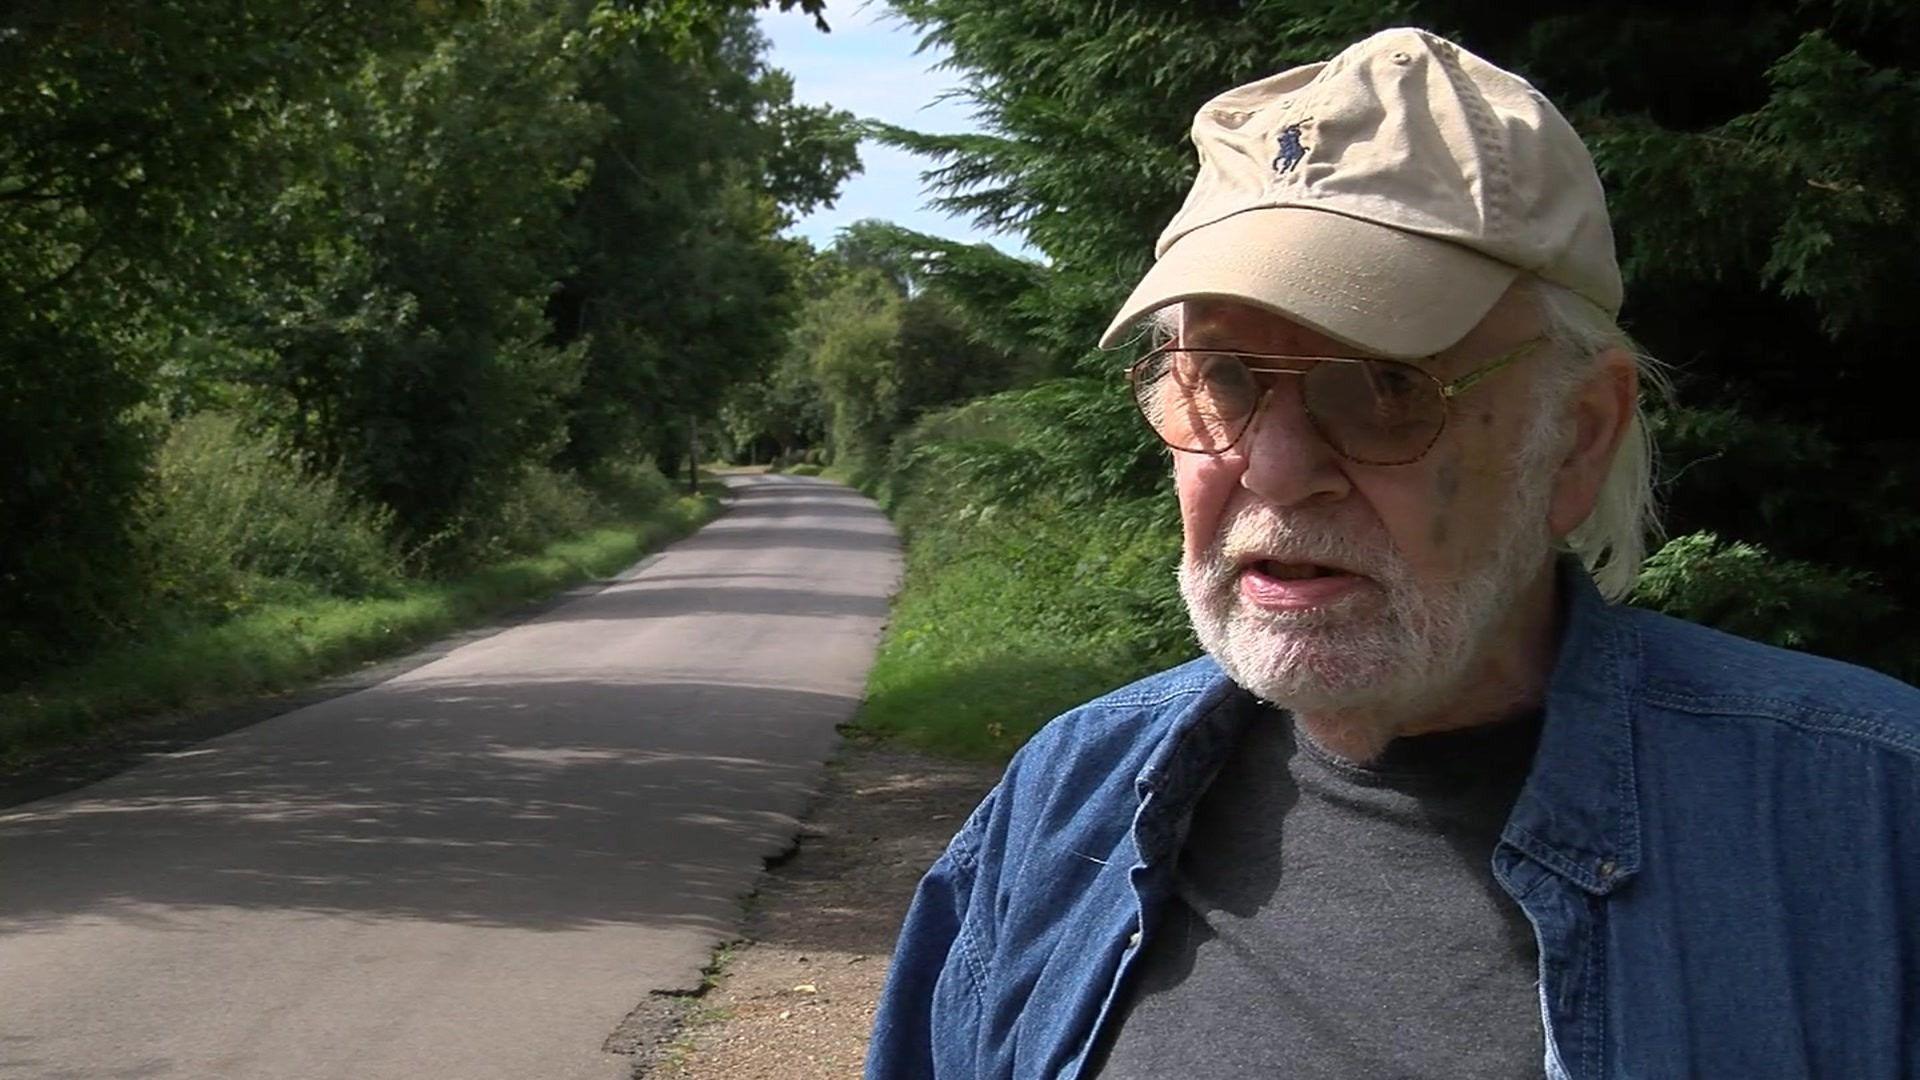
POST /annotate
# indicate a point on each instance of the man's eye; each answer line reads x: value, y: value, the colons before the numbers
x: 1391, y: 384
x: 1223, y: 379
x: 1218, y: 371
x: 1399, y: 396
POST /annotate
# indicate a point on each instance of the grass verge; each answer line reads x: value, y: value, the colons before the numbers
x: 283, y: 646
x: 1005, y: 621
x: 841, y: 474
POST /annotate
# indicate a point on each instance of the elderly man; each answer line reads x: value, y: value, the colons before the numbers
x: 1430, y: 805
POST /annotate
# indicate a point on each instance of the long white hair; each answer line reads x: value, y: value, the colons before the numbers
x: 1613, y: 541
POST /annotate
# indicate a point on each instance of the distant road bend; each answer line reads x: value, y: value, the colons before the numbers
x: 487, y: 867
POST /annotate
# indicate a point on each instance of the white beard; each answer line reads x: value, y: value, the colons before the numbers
x: 1394, y: 641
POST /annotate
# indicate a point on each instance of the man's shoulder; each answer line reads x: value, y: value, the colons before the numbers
x: 1094, y: 751
x: 1161, y: 692
x: 1694, y: 669
x: 1123, y: 722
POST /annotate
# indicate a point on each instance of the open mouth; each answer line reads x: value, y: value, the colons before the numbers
x: 1280, y: 585
x: 1294, y: 571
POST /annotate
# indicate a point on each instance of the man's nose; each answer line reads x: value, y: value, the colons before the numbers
x: 1288, y: 461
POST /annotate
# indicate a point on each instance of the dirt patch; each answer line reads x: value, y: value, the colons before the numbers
x: 796, y: 999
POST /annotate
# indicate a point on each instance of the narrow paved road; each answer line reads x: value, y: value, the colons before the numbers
x: 478, y: 869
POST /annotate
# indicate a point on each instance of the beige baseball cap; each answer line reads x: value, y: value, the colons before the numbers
x: 1386, y: 198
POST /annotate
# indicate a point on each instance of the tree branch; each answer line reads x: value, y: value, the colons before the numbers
x: 29, y: 195
x: 63, y: 276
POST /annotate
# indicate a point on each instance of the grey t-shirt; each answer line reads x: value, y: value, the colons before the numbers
x: 1334, y: 920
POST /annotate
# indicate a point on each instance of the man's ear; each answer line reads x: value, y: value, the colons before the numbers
x: 1599, y: 413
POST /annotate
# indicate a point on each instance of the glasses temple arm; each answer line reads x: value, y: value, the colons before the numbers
x: 1467, y: 381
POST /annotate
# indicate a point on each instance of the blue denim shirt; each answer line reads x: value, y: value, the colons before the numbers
x: 1718, y: 846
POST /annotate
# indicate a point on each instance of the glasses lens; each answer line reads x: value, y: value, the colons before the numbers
x: 1195, y: 399
x: 1377, y: 412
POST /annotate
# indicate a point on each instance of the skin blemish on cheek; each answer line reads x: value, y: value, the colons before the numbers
x: 1486, y: 419
x: 1446, y: 483
x: 1446, y: 488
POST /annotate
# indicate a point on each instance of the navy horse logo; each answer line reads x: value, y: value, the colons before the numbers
x: 1290, y: 149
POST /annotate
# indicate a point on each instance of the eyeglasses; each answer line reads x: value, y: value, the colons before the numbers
x: 1372, y: 412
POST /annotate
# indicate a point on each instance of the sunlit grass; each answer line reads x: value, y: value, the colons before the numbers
x: 1002, y: 624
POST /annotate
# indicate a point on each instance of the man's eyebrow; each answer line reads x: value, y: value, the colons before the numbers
x: 1202, y: 335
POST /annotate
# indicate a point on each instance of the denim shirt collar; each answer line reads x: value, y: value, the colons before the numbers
x: 1577, y: 813
x: 1191, y: 752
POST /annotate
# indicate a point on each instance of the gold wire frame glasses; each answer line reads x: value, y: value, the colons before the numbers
x: 1370, y: 411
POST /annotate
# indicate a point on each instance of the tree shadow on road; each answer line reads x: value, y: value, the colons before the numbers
x: 545, y: 805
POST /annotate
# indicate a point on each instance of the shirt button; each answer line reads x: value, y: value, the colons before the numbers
x: 1606, y: 868
x: 1133, y: 940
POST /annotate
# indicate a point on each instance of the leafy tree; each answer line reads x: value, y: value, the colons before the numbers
x: 401, y: 339
x: 682, y: 288
x: 1002, y: 302
x: 850, y: 336
x: 783, y: 408
x: 873, y: 350
x: 124, y: 121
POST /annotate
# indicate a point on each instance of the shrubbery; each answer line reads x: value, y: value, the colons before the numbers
x: 534, y: 505
x: 237, y: 543
x: 231, y: 520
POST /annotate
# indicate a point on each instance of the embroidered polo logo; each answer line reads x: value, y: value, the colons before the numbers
x: 1291, y: 152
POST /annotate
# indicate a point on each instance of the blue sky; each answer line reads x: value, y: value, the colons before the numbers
x: 868, y: 66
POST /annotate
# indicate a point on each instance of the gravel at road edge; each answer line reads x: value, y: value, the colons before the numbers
x: 795, y: 999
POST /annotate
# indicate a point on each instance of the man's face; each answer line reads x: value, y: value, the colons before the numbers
x: 1328, y: 586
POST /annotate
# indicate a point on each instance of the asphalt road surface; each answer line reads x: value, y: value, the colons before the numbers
x: 490, y: 866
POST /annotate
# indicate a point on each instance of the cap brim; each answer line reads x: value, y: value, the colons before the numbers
x: 1379, y: 289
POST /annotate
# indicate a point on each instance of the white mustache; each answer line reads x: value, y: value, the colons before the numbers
x: 1252, y: 534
